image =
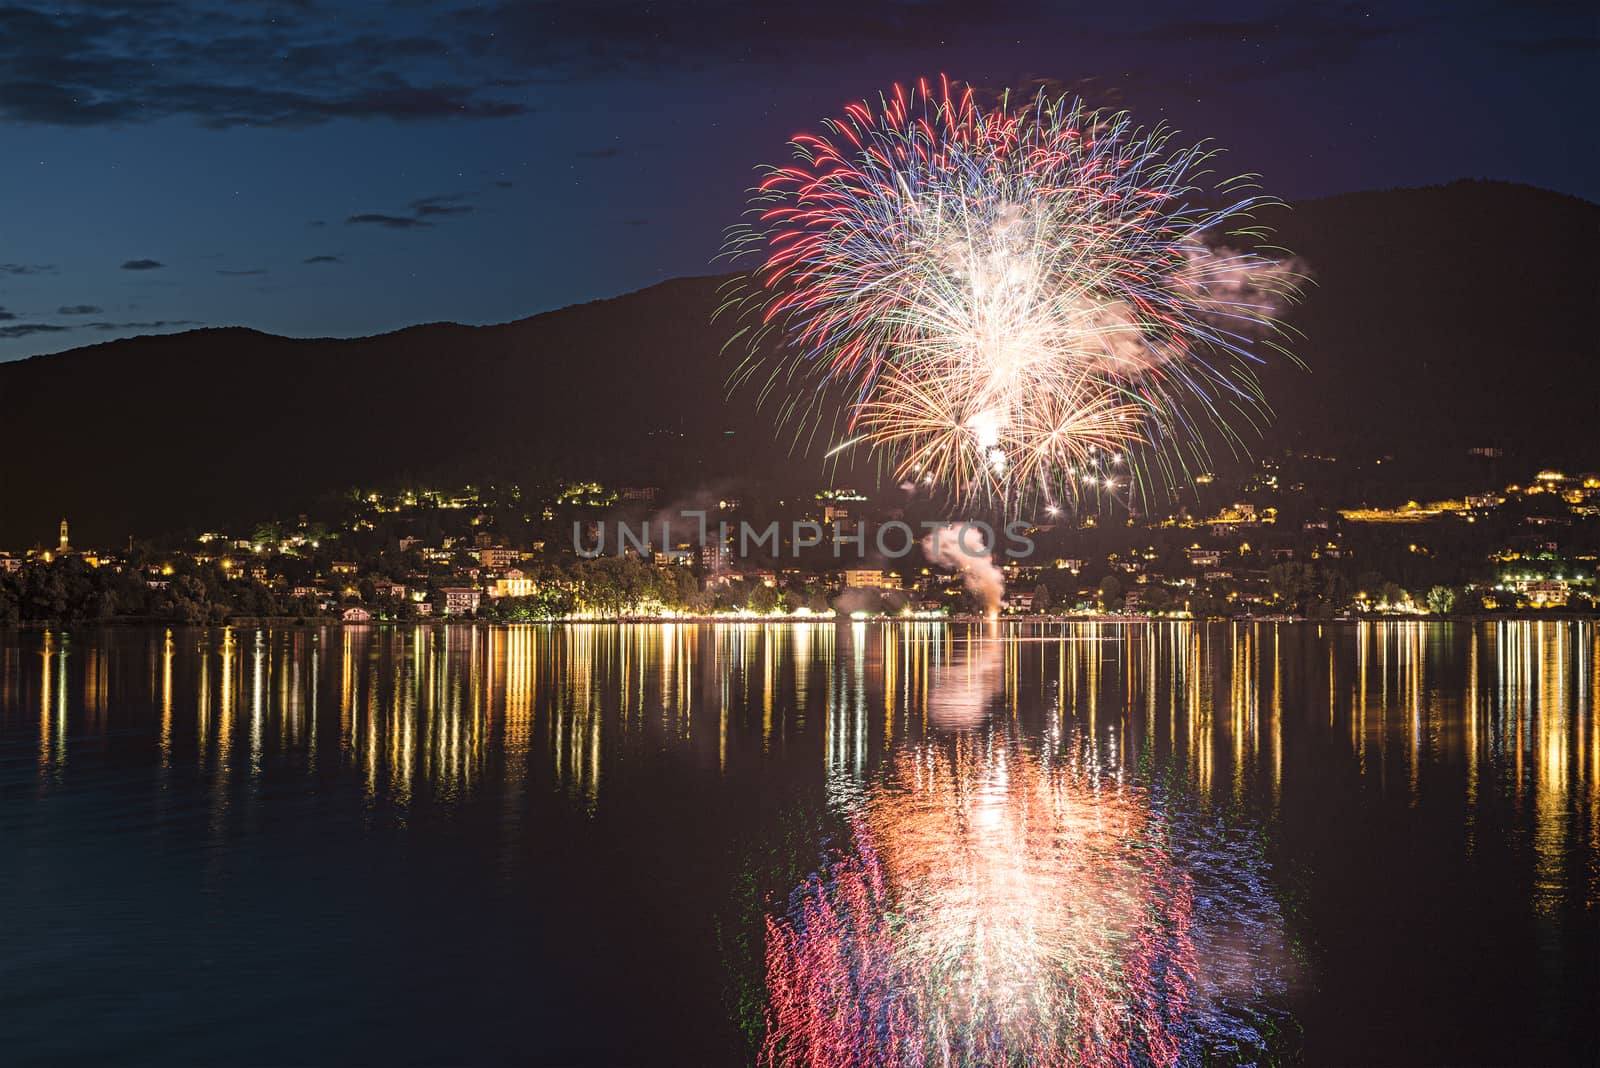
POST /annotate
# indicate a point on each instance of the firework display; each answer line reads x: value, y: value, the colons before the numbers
x: 1006, y: 296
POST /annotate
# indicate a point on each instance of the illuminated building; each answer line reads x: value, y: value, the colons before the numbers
x: 459, y: 600
x: 66, y: 545
x: 871, y: 578
x: 1014, y: 603
x: 1238, y: 515
x: 714, y: 557
x: 356, y: 614
x: 1544, y: 593
x: 498, y: 556
x: 1411, y: 511
x: 512, y: 583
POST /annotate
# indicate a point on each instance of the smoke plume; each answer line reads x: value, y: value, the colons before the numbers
x: 963, y: 548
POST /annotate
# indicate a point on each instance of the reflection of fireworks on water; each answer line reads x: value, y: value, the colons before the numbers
x: 997, y: 908
x: 1007, y: 294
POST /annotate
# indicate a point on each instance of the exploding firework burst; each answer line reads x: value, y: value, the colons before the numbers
x: 1001, y: 293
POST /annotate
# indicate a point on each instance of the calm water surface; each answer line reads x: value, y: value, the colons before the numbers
x: 825, y: 844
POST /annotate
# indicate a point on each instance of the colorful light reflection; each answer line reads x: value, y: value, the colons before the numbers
x: 1001, y: 906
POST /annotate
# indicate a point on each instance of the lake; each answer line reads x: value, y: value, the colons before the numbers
x: 854, y: 843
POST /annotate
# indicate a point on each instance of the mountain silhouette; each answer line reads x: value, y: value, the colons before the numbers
x: 1441, y: 319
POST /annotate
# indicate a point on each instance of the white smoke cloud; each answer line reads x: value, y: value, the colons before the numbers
x: 1237, y: 292
x: 963, y: 548
x: 1231, y: 282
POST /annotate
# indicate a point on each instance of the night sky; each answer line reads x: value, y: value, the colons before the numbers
x: 318, y: 168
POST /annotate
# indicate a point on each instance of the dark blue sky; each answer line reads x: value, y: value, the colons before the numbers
x: 310, y: 167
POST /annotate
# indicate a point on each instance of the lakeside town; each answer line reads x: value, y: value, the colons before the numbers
x: 1260, y: 545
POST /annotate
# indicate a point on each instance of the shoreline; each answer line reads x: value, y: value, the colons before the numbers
x: 297, y: 622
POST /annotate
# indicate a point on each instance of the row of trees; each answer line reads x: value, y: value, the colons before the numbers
x: 1293, y: 588
x: 626, y: 585
x: 69, y: 590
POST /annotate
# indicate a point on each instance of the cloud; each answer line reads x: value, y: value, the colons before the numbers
x: 93, y: 62
x: 29, y: 329
x: 287, y: 64
x: 297, y: 63
x: 142, y: 265
x: 390, y: 222
x: 323, y: 259
x: 22, y: 330
x: 159, y: 324
x: 244, y: 274
x: 6, y: 317
x: 424, y: 210
x: 26, y: 268
x: 446, y: 204
x: 78, y: 309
